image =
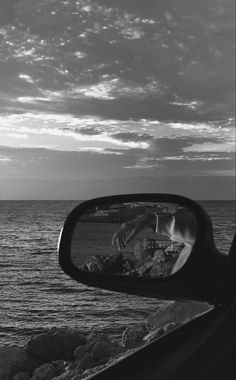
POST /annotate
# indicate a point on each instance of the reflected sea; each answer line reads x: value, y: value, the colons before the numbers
x: 36, y: 295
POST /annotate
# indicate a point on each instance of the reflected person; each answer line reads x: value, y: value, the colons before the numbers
x: 180, y: 228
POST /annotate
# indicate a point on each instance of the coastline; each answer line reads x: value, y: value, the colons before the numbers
x: 68, y: 354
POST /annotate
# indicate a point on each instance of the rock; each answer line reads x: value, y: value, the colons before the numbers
x: 96, y: 336
x: 21, y: 376
x: 101, y: 349
x: 132, y: 336
x: 161, y: 269
x: 104, y: 264
x: 102, y: 360
x: 87, y: 361
x: 144, y: 248
x: 155, y: 334
x: 176, y: 312
x: 47, y: 371
x: 71, y: 367
x: 174, y: 249
x: 159, y: 256
x: 117, y: 348
x: 128, y: 265
x: 14, y: 359
x: 171, y: 326
x: 60, y: 366
x: 97, y: 351
x: 94, y: 264
x: 113, y: 264
x: 145, y: 268
x: 55, y: 345
x: 79, y: 352
x: 70, y: 375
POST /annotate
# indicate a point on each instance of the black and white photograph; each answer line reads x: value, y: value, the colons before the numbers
x: 117, y: 189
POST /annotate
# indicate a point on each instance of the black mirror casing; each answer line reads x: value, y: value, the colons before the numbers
x: 199, y: 279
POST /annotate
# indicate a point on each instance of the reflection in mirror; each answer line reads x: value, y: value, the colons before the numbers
x: 141, y: 239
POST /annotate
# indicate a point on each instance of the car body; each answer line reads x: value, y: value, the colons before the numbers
x: 203, y: 348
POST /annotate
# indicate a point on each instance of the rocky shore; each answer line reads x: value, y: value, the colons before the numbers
x: 151, y: 258
x: 67, y: 354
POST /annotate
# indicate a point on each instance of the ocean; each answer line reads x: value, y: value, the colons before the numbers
x: 36, y: 295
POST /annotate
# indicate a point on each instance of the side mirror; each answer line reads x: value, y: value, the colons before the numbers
x: 147, y: 244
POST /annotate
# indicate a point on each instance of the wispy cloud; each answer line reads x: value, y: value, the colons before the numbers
x: 4, y: 160
x: 211, y: 147
x: 117, y: 89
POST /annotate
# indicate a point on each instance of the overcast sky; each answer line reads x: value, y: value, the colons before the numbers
x: 100, y: 97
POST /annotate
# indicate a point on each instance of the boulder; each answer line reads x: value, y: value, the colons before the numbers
x: 98, y: 349
x: 117, y: 348
x: 79, y: 352
x: 60, y: 366
x: 87, y: 361
x: 104, y: 264
x: 171, y: 326
x: 144, y: 248
x: 159, y: 256
x: 174, y: 249
x: 14, y: 359
x: 113, y: 263
x: 155, y: 334
x: 55, y: 345
x: 21, y: 376
x: 96, y: 336
x: 47, y: 371
x: 132, y: 336
x: 161, y: 269
x: 128, y: 265
x: 71, y: 366
x: 101, y: 349
x: 176, y: 312
x: 69, y: 375
x: 145, y: 268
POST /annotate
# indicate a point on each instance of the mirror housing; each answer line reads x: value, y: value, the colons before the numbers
x: 200, y: 278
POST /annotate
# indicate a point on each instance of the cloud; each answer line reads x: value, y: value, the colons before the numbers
x: 211, y: 147
x: 86, y: 131
x: 103, y: 138
x: 144, y: 52
x: 26, y: 77
x: 131, y: 136
x: 4, y: 160
x: 178, y: 145
x: 144, y: 163
x: 110, y: 87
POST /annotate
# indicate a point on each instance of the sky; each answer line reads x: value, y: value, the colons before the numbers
x: 102, y: 97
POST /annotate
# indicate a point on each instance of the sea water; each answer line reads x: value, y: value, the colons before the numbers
x: 36, y: 295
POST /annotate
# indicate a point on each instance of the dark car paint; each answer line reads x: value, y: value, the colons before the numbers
x: 203, y: 349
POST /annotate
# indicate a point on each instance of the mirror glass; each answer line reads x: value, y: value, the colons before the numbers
x: 141, y: 239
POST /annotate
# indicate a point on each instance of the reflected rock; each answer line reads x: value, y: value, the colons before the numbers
x: 104, y: 264
x: 174, y: 249
x: 151, y: 258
